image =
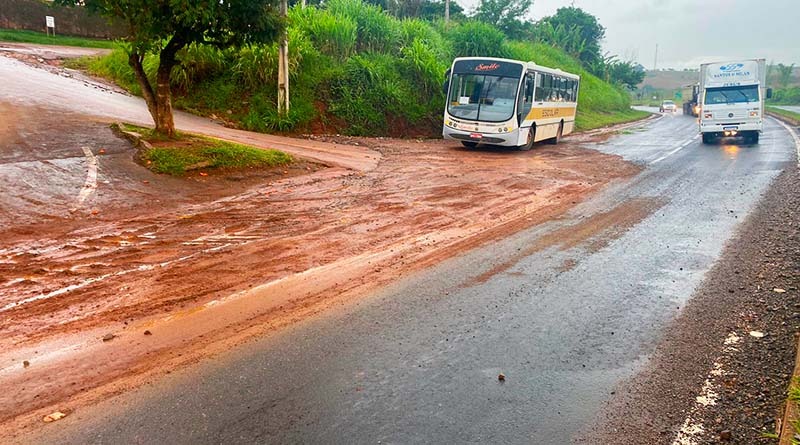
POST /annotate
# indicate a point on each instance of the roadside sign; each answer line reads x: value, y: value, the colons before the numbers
x: 679, y: 95
x: 50, y: 21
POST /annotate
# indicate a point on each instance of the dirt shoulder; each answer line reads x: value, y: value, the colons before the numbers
x: 721, y: 372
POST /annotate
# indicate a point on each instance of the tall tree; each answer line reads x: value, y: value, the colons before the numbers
x: 785, y: 74
x: 166, y: 26
x: 507, y: 15
x: 576, y: 31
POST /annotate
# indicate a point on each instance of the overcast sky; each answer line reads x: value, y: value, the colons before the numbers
x: 689, y: 32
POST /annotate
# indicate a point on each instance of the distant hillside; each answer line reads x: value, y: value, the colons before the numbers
x: 669, y: 80
x: 673, y: 80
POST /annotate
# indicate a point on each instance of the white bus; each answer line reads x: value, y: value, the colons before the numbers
x: 508, y: 103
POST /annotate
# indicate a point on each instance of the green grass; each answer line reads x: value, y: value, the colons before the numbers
x: 205, y: 153
x: 357, y: 82
x: 589, y: 120
x: 22, y: 36
x: 188, y: 152
x: 785, y: 113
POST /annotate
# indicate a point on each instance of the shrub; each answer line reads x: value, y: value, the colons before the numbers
x: 333, y: 35
x: 477, y: 39
x: 415, y: 29
x: 197, y: 62
x: 377, y: 30
x: 422, y: 65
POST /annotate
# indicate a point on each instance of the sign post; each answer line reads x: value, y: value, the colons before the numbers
x: 50, y: 21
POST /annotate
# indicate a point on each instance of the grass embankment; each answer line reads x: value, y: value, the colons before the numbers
x: 792, y: 428
x: 22, y: 36
x: 791, y: 116
x: 355, y: 70
x: 187, y: 152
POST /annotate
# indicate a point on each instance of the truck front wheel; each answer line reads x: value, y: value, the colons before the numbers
x: 708, y: 138
x: 752, y: 138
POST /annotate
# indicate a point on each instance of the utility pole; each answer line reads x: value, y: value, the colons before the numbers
x: 446, y: 12
x: 283, y: 66
x: 655, y: 62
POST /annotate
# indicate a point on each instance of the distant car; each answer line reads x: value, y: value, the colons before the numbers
x: 667, y: 105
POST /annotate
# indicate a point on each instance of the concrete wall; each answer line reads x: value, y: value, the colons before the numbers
x: 29, y: 14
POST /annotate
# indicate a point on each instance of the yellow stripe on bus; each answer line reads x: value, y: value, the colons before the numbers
x: 548, y: 113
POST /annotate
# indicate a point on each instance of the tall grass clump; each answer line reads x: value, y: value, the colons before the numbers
x: 332, y: 34
x: 416, y: 29
x: 477, y: 39
x: 377, y: 30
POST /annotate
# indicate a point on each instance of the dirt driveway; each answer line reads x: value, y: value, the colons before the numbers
x: 192, y: 261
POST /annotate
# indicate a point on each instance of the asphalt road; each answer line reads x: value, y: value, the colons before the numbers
x: 565, y: 310
x: 795, y: 109
x: 24, y: 85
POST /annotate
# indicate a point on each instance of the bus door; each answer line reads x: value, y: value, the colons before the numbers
x: 525, y: 99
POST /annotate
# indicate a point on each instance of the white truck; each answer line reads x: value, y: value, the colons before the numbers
x: 732, y: 98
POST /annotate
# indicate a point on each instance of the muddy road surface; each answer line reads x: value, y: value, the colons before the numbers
x: 111, y: 276
x: 429, y: 270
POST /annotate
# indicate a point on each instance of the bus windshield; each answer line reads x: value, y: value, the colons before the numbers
x: 482, y: 97
x: 731, y: 95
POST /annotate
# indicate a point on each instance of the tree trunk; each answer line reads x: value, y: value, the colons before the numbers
x: 163, y: 117
x: 135, y: 61
x: 158, y: 99
x: 164, y: 122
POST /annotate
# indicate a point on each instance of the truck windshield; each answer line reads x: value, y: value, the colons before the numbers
x: 731, y: 95
x: 482, y: 97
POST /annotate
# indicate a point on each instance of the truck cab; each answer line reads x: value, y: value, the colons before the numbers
x: 732, y: 98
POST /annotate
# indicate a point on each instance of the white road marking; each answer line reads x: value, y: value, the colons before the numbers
x: 680, y: 147
x: 794, y: 136
x: 90, y: 185
x: 709, y: 395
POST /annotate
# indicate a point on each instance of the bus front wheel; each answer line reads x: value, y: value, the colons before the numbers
x: 469, y: 144
x: 529, y: 141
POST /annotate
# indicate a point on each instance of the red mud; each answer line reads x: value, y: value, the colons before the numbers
x: 196, y: 271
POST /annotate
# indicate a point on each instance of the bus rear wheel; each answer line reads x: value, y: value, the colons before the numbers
x: 557, y: 139
x: 529, y: 141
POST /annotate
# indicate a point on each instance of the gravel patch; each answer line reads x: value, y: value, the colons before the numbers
x: 715, y: 378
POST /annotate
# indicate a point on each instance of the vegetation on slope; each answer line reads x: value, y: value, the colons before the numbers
x: 356, y: 70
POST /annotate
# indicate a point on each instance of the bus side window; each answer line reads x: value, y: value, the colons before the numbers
x: 537, y: 95
x: 547, y: 88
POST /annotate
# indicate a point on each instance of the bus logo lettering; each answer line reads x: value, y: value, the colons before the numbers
x: 491, y: 67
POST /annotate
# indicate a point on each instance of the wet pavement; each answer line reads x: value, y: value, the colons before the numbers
x: 61, y: 90
x: 566, y: 310
x: 110, y: 249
